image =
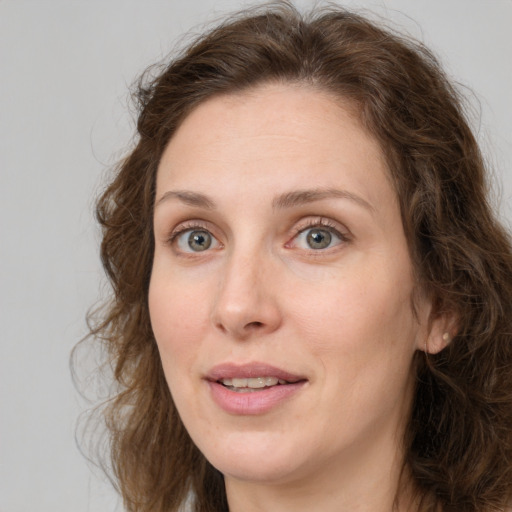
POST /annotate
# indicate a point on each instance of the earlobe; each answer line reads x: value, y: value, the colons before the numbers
x: 442, y: 330
x: 437, y: 343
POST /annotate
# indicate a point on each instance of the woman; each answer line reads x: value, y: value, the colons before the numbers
x: 312, y: 305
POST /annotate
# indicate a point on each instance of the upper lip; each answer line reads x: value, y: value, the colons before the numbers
x: 248, y: 370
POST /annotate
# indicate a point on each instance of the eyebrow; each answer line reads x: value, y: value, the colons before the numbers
x: 300, y: 197
x: 189, y: 198
x: 286, y: 200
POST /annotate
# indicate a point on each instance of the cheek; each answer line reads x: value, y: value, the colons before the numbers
x: 354, y: 308
x: 178, y: 317
x: 362, y: 330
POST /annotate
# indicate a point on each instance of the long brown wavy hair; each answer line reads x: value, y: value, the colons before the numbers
x: 458, y: 442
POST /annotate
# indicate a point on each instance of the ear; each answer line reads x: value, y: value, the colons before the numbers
x: 443, y: 327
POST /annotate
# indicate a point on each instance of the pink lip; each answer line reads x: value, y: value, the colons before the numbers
x: 248, y: 370
x: 255, y: 402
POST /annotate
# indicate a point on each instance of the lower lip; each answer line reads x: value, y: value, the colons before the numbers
x: 252, y: 402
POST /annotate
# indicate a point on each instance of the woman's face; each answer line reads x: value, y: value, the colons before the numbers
x: 281, y: 289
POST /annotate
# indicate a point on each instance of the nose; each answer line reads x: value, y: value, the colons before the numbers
x: 246, y: 303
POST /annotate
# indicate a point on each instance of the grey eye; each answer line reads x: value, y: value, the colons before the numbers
x: 318, y: 238
x: 199, y: 240
x: 195, y: 240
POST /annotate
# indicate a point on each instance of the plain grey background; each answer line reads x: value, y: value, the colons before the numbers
x: 65, y: 68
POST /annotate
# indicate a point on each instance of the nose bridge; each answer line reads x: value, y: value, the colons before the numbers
x: 245, y: 303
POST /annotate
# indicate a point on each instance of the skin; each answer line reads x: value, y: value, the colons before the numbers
x: 340, y: 316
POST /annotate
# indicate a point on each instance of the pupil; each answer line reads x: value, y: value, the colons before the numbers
x: 319, y: 239
x: 199, y: 240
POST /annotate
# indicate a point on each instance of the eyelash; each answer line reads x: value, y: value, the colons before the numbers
x: 319, y: 222
x: 193, y: 225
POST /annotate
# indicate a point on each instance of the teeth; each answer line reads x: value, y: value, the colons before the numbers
x: 254, y: 382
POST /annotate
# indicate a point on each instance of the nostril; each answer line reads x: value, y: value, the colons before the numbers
x: 221, y: 327
x: 244, y: 319
x: 254, y: 325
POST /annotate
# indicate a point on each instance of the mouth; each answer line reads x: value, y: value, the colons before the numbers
x: 251, y: 376
x: 252, y: 384
x: 253, y: 388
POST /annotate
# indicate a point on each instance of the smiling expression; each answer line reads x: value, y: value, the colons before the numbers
x: 281, y: 288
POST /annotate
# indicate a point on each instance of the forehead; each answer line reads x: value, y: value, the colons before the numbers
x: 293, y: 132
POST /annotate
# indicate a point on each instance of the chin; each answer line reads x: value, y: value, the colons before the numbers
x: 259, y: 471
x: 257, y: 459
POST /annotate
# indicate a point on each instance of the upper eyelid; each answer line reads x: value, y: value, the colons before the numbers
x: 323, y: 222
x: 326, y: 225
x: 190, y: 225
